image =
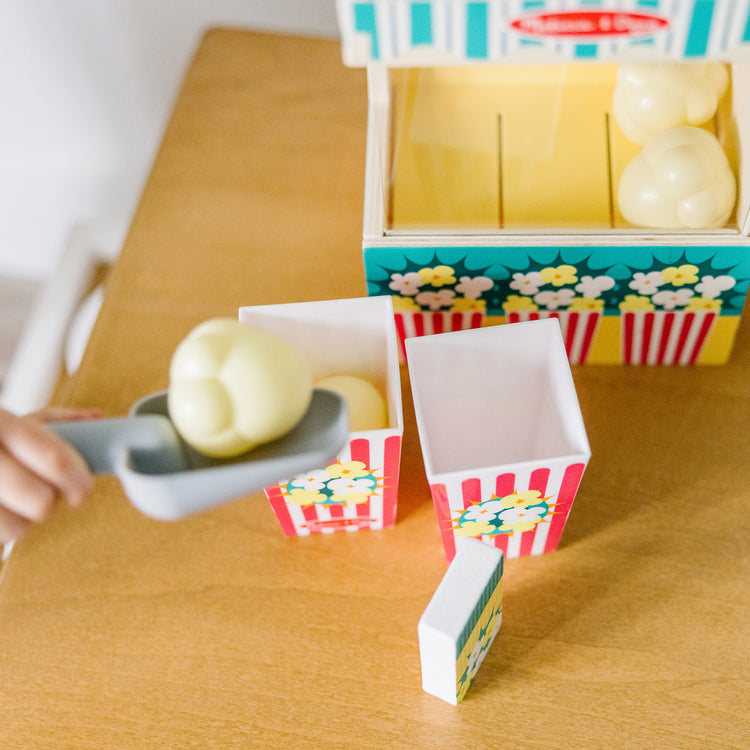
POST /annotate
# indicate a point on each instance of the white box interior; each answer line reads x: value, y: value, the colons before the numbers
x: 349, y: 336
x: 494, y: 396
x: 380, y: 174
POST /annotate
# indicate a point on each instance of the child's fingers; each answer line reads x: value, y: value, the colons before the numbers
x: 46, y: 456
x: 22, y: 492
x: 65, y: 414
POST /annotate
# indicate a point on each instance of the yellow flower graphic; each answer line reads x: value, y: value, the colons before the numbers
x: 636, y: 303
x: 559, y: 276
x: 348, y: 469
x: 704, y: 304
x: 586, y: 303
x: 520, y: 499
x: 405, y: 304
x: 680, y: 275
x: 516, y: 303
x: 305, y: 497
x: 467, y: 305
x: 474, y: 528
x: 438, y: 276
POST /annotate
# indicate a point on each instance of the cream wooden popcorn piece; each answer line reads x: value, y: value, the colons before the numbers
x: 367, y: 407
x: 651, y: 97
x: 681, y: 180
x: 461, y: 621
x: 233, y: 387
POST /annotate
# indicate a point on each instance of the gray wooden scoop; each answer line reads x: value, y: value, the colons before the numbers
x: 166, y: 479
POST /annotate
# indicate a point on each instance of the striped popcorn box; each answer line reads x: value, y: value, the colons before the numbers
x: 358, y: 489
x: 501, y: 432
x: 664, y: 337
x: 410, y: 324
x: 578, y: 328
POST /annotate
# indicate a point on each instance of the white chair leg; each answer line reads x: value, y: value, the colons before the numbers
x: 35, y: 366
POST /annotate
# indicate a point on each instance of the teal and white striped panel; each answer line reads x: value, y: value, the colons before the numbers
x: 438, y: 32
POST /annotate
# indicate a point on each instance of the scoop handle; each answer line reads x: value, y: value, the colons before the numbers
x: 103, y: 442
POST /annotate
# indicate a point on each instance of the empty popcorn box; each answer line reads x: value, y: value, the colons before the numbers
x: 357, y: 490
x: 501, y: 433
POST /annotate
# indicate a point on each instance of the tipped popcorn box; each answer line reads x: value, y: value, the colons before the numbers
x: 461, y: 621
x: 501, y: 433
x: 506, y: 172
x: 357, y: 490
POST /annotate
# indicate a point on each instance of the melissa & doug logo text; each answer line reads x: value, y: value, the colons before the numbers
x: 589, y: 23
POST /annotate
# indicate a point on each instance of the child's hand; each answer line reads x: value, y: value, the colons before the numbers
x: 37, y: 469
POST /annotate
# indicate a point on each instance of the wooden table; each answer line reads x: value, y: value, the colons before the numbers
x: 117, y: 631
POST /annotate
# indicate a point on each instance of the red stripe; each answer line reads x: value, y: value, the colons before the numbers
x: 476, y: 320
x: 419, y: 324
x: 310, y: 512
x: 664, y: 339
x: 570, y: 332
x: 702, y: 335
x: 471, y: 489
x: 398, y: 319
x: 687, y: 324
x: 627, y: 321
x: 513, y: 317
x: 505, y: 484
x: 281, y: 510
x: 646, y: 333
x: 563, y: 504
x: 360, y: 451
x: 443, y: 512
x: 437, y: 322
x: 501, y: 542
x: 535, y: 316
x: 538, y: 481
x: 391, y: 468
x: 336, y: 511
x: 588, y: 336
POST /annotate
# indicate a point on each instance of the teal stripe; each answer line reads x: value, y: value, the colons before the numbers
x: 653, y: 4
x: 476, y: 30
x: 489, y: 589
x: 586, y: 50
x: 700, y: 25
x: 421, y: 23
x: 364, y: 21
x: 533, y: 4
x: 746, y: 33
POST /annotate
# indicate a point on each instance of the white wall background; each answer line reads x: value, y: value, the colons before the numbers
x: 86, y: 87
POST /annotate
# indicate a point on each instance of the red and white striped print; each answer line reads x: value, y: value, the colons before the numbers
x: 664, y: 337
x: 559, y: 482
x: 382, y: 456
